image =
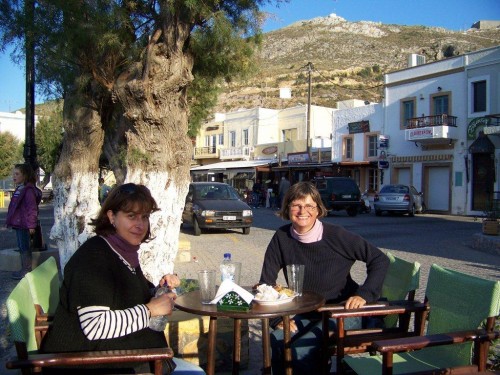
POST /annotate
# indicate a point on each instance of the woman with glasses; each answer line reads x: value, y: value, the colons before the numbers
x: 328, y: 252
x: 106, y: 302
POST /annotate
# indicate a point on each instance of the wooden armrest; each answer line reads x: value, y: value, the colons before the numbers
x: 419, y: 342
x: 375, y: 309
x: 91, y: 358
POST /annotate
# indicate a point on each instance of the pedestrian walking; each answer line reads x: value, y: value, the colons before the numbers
x: 284, y: 186
x: 22, y: 215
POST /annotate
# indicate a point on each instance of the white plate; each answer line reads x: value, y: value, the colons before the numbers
x: 274, y: 302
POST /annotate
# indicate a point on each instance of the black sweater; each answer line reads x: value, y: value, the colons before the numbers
x: 327, y: 263
x: 96, y: 276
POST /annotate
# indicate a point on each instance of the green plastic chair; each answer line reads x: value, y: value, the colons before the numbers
x: 459, y: 304
x: 44, y: 286
x: 400, y: 284
x: 27, y: 335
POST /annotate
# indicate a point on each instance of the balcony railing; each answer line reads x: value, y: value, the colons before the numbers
x: 205, y: 151
x: 235, y: 152
x: 436, y: 120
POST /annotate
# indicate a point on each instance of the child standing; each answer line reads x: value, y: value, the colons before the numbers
x: 22, y: 215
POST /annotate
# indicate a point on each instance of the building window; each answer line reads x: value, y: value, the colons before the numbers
x: 479, y: 96
x: 408, y: 109
x: 440, y: 104
x: 207, y: 141
x: 347, y: 148
x: 371, y: 142
x: 245, y: 137
x: 221, y: 139
x: 288, y: 135
x: 232, y: 139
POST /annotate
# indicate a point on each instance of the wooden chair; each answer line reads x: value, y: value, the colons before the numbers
x: 44, y: 285
x: 401, y: 281
x: 459, y: 304
x: 27, y: 336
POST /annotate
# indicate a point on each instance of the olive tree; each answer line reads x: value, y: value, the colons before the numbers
x: 125, y: 70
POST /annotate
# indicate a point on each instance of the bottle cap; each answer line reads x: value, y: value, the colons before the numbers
x: 227, y: 255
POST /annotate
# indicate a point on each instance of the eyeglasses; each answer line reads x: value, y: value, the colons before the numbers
x: 307, y: 207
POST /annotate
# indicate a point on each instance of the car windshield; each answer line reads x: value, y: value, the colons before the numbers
x: 394, y: 189
x: 215, y: 192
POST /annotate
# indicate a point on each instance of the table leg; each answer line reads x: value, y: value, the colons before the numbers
x: 212, y: 335
x: 266, y: 347
x: 287, y: 342
x: 236, y: 346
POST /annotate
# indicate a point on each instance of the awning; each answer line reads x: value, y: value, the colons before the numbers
x: 230, y: 165
x: 357, y: 163
x: 482, y: 145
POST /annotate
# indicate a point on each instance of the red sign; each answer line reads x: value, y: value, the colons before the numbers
x: 270, y: 150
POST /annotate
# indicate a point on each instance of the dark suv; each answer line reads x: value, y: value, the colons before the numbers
x: 339, y: 193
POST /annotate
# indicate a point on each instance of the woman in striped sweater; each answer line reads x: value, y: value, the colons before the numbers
x: 105, y: 300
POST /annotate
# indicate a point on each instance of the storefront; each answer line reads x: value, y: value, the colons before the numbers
x: 240, y: 174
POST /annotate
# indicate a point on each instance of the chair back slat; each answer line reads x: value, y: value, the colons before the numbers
x: 44, y: 285
x: 402, y: 277
x: 459, y: 302
x: 21, y: 313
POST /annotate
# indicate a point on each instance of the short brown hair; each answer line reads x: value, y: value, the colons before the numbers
x: 124, y: 198
x: 300, y: 190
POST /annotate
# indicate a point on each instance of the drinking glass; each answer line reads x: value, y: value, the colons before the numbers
x: 208, y: 289
x: 295, y: 274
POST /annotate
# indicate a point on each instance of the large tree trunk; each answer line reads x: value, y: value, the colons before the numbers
x: 75, y: 180
x: 154, y: 126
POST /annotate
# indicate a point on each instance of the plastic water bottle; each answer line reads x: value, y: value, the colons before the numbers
x: 227, y: 268
x: 158, y: 323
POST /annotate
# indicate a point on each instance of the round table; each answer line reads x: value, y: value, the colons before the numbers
x: 309, y: 301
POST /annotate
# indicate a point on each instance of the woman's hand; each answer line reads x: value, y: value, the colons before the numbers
x: 355, y: 302
x: 32, y: 231
x: 172, y: 280
x: 162, y: 305
x: 293, y: 326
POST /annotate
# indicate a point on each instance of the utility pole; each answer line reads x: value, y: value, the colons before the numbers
x: 308, y: 125
x: 29, y: 143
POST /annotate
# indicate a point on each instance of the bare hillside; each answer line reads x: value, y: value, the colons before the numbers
x: 349, y: 60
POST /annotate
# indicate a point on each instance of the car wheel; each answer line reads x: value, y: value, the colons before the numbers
x: 246, y: 230
x: 196, y: 226
x: 352, y: 212
x: 378, y: 212
x: 411, y: 213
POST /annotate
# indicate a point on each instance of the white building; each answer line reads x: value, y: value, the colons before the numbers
x: 428, y: 114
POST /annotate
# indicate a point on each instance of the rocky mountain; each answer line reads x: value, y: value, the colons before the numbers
x: 349, y: 60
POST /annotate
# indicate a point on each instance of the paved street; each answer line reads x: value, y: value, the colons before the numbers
x: 445, y: 240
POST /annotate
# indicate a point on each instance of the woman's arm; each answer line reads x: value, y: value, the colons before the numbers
x: 99, y: 322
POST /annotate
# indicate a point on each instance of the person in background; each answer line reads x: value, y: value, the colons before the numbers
x: 103, y: 190
x: 283, y: 188
x: 257, y: 193
x: 105, y: 300
x: 328, y: 252
x: 22, y: 214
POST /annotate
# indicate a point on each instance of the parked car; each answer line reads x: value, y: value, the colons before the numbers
x: 339, y: 193
x: 399, y: 198
x: 212, y: 205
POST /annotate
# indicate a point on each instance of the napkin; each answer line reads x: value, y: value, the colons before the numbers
x: 229, y: 286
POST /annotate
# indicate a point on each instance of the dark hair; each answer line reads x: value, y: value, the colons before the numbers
x: 124, y: 198
x: 28, y: 172
x: 300, y: 190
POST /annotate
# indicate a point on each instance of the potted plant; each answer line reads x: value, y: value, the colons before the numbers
x: 491, y: 220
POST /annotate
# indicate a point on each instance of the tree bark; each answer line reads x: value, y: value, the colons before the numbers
x: 75, y: 180
x: 154, y: 126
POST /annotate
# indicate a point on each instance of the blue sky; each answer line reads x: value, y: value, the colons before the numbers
x: 450, y: 14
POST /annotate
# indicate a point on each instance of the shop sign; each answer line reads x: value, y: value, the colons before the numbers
x: 383, y: 164
x: 491, y: 130
x: 476, y: 125
x: 420, y: 133
x: 299, y: 157
x: 271, y: 150
x: 359, y: 127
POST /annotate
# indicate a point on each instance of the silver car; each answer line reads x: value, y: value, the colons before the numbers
x: 399, y: 198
